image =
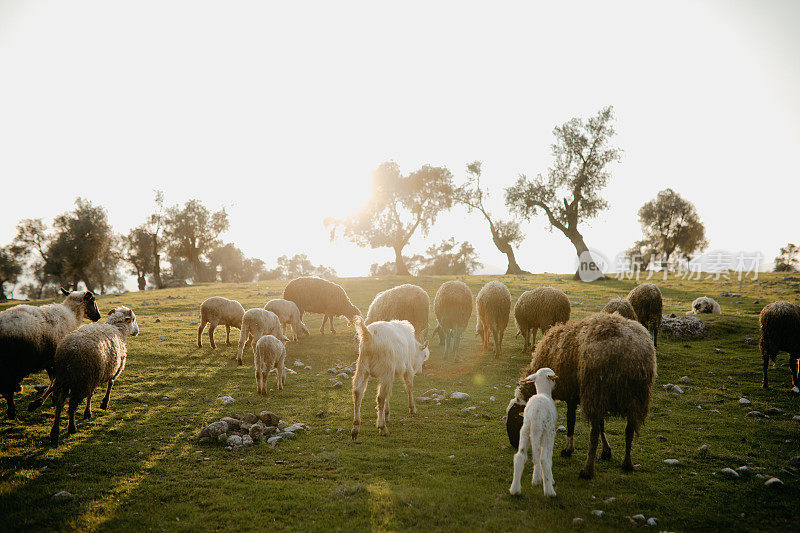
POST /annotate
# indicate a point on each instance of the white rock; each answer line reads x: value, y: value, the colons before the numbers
x: 298, y: 362
x: 234, y: 440
x: 561, y: 429
x: 62, y: 496
x: 451, y: 456
x: 677, y: 390
x: 459, y: 396
x: 468, y: 409
x: 639, y: 517
x: 338, y: 384
x: 729, y: 473
x: 307, y: 367
x: 227, y: 399
x: 773, y: 483
x: 491, y: 398
x: 668, y: 387
x: 684, y: 379
x: 598, y: 513
x: 578, y: 521
x: 247, y: 440
x: 610, y: 499
x: 297, y: 426
x: 744, y: 471
x: 652, y: 522
x: 744, y: 401
x: 672, y: 462
x: 275, y: 439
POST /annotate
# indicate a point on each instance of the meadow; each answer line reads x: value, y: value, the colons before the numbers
x: 139, y: 465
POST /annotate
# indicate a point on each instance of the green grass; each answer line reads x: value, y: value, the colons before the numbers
x: 139, y: 466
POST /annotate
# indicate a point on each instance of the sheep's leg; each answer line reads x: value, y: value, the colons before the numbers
x: 211, y: 327
x: 227, y: 334
x: 384, y: 394
x: 655, y: 335
x: 74, y: 401
x: 359, y: 386
x: 203, y: 323
x: 486, y: 330
x: 526, y: 336
x: 547, y: 466
x: 569, y: 447
x: 450, y: 344
x: 793, y: 365
x: 87, y: 413
x: 536, y: 457
x: 498, y: 346
x: 533, y: 338
x: 627, y: 464
x: 588, y: 469
x: 322, y: 328
x: 330, y: 324
x: 281, y: 372
x: 12, y: 411
x: 244, y: 338
x: 409, y: 383
x: 765, y: 382
x: 606, y: 453
x: 58, y: 398
x: 107, y: 397
x: 519, y: 459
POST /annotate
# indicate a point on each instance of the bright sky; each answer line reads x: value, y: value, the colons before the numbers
x: 279, y: 112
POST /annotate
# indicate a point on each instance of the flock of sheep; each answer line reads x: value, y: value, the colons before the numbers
x: 606, y: 362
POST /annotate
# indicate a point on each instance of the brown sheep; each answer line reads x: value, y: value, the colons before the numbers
x: 452, y: 306
x: 648, y: 306
x: 623, y: 307
x: 494, y: 306
x: 606, y: 363
x: 219, y: 311
x: 404, y: 302
x: 780, y: 331
x: 316, y: 295
x: 539, y: 308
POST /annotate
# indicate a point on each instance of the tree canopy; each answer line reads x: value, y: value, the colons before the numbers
x: 788, y: 259
x: 11, y: 262
x: 192, y: 232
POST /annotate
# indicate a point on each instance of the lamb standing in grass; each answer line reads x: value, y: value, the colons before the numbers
x: 780, y: 330
x: 386, y: 350
x: 539, y: 433
x: 269, y: 353
x: 705, y: 305
x: 219, y: 311
x: 288, y: 313
x: 88, y: 357
x: 648, y: 305
x: 452, y: 307
x: 539, y: 308
x: 255, y: 324
x: 493, y: 305
x: 29, y: 336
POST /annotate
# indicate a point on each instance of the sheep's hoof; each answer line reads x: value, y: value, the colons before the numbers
x: 586, y: 474
x: 228, y: 343
x: 627, y: 466
x: 551, y: 494
x: 384, y: 432
x: 354, y: 433
x: 764, y: 386
x: 566, y: 453
x: 238, y: 363
x: 199, y: 345
x: 516, y: 491
x: 606, y: 454
x: 54, y: 439
x: 71, y: 429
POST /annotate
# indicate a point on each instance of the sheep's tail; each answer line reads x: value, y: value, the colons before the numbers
x: 37, y: 403
x: 364, y: 336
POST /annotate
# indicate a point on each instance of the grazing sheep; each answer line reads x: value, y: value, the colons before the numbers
x: 316, y: 295
x: 288, y: 313
x: 704, y: 304
x: 648, y: 305
x: 493, y: 305
x: 538, y: 432
x: 606, y: 363
x: 539, y: 308
x: 255, y: 324
x: 219, y: 311
x: 29, y: 336
x: 623, y: 307
x: 452, y: 306
x: 404, y: 302
x: 270, y: 353
x: 88, y: 357
x: 780, y: 331
x: 387, y: 350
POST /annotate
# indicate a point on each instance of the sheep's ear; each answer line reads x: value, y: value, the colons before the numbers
x: 552, y: 377
x: 88, y: 296
x: 111, y: 312
x: 128, y: 319
x: 64, y: 291
x: 424, y: 345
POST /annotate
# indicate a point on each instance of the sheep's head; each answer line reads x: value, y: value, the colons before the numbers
x: 303, y: 330
x: 84, y: 300
x: 425, y: 350
x: 351, y: 315
x: 125, y: 319
x: 544, y: 378
x: 702, y: 305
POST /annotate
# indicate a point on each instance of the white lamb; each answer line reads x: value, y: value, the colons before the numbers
x: 270, y: 353
x: 386, y: 350
x: 539, y: 433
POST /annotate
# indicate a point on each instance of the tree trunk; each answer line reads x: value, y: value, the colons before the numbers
x: 513, y: 267
x: 141, y: 281
x: 581, y: 248
x: 3, y: 296
x: 399, y: 263
x: 157, y: 271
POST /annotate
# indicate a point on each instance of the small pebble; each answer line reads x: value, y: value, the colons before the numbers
x: 729, y: 473
x: 652, y: 522
x: 561, y: 429
x: 684, y: 379
x: 639, y: 517
x: 672, y: 462
x: 677, y: 390
x: 598, y: 513
x: 338, y: 384
x: 610, y: 499
x: 62, y: 496
x: 743, y: 471
x: 577, y: 521
x: 773, y: 483
x: 744, y: 401
x: 468, y: 409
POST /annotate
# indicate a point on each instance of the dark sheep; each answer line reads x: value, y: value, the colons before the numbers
x: 539, y: 308
x: 648, y: 306
x: 780, y: 331
x: 623, y: 307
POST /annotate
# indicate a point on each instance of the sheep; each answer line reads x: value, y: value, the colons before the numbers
x: 648, y: 305
x: 29, y: 336
x: 316, y: 295
x: 270, y: 353
x: 89, y: 356
x: 404, y: 302
x: 704, y: 304
x: 606, y: 363
x: 780, y: 331
x: 621, y: 306
x: 539, y: 308
x: 452, y: 306
x: 255, y: 324
x: 538, y: 432
x: 288, y: 313
x: 219, y: 311
x: 386, y: 350
x: 493, y: 306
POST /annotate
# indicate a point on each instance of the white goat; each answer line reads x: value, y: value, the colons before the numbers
x: 539, y: 433
x: 386, y: 350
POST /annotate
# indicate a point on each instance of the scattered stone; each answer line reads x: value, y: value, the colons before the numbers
x: 610, y: 499
x: 661, y: 437
x: 773, y: 483
x: 250, y: 418
x: 343, y: 375
x: 214, y: 429
x: 223, y: 437
x: 773, y: 411
x: 726, y: 293
x: 227, y: 399
x: 677, y: 390
x: 459, y: 396
x: 491, y: 398
x: 299, y: 363
x: 671, y: 462
x: 269, y: 418
x: 598, y: 513
x: 703, y: 450
x: 294, y: 428
x: 233, y: 423
x: 468, y: 409
x: 729, y: 473
x: 338, y: 384
x: 578, y: 521
x: 684, y: 379
x: 247, y: 440
x: 652, y: 522
x: 639, y: 518
x: 744, y: 471
x: 307, y: 367
x: 755, y: 414
x: 62, y: 496
x: 668, y: 387
x: 717, y: 350
x: 257, y: 431
x: 234, y: 440
x: 744, y: 401
x: 561, y: 429
x: 287, y: 435
x: 750, y: 340
x: 274, y: 440
x: 451, y: 456
x: 683, y: 327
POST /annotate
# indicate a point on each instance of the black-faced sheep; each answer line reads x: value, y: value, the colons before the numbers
x: 88, y: 357
x: 288, y: 313
x: 648, y: 306
x: 606, y: 363
x: 623, y: 307
x: 705, y: 305
x: 316, y: 295
x: 255, y: 324
x: 494, y: 306
x: 539, y: 308
x: 219, y: 311
x: 452, y: 307
x: 780, y: 331
x: 270, y: 353
x: 386, y: 350
x: 29, y: 336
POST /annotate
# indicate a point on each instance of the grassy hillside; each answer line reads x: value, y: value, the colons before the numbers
x: 139, y: 465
